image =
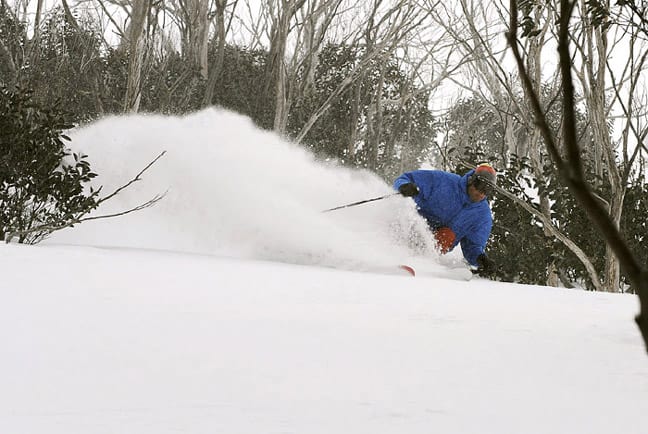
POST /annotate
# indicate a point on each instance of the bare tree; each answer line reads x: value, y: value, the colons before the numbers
x: 295, y: 31
x: 314, y: 21
x: 135, y: 40
x: 380, y: 33
x: 569, y: 164
x: 595, y: 41
x: 592, y: 51
x: 192, y: 20
x: 219, y: 41
x: 282, y: 13
x: 474, y: 27
x: 402, y: 15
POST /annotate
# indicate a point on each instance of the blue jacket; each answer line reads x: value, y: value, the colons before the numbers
x: 443, y: 201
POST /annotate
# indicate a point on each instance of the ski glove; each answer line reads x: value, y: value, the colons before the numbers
x: 408, y: 190
x: 486, y: 265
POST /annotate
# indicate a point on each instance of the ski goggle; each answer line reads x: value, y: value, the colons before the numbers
x: 483, y: 185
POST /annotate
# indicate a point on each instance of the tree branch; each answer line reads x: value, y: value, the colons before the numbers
x: 137, y: 178
x: 71, y: 220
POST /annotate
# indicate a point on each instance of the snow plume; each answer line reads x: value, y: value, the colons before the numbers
x: 238, y: 191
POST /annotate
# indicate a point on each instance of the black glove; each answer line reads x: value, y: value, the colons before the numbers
x: 485, y: 264
x: 408, y: 190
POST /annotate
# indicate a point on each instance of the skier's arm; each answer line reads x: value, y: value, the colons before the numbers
x: 406, y: 186
x: 471, y: 251
x: 473, y: 244
x: 405, y: 178
x: 476, y: 257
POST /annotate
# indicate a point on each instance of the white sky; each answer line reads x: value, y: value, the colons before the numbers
x: 238, y: 337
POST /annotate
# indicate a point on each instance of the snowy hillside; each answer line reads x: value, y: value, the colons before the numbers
x: 236, y: 306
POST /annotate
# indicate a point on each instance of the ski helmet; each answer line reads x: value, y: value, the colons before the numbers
x: 484, y: 179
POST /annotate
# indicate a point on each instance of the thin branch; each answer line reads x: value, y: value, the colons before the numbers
x: 71, y: 220
x: 137, y: 178
x: 120, y: 31
x: 53, y: 227
x: 142, y: 206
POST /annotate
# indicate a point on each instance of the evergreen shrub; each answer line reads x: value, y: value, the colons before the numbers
x: 41, y: 180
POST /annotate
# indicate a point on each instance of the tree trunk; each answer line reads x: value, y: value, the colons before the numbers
x: 276, y: 68
x: 8, y: 72
x: 196, y: 35
x: 355, y: 116
x: 34, y: 43
x: 553, y: 279
x: 136, y: 43
x: 593, y: 79
x: 374, y: 124
x: 612, y: 274
x: 276, y: 74
x: 217, y: 66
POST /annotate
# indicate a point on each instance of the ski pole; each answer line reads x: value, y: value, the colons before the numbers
x: 361, y: 202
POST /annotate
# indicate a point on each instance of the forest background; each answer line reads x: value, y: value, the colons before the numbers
x: 387, y: 86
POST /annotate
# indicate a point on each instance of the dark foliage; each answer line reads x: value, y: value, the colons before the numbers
x: 38, y: 187
x: 518, y: 244
x: 634, y: 224
x: 331, y: 134
x: 241, y: 86
x: 66, y: 64
x: 171, y: 86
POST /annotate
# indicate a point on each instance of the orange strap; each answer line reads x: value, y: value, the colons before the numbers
x: 445, y: 238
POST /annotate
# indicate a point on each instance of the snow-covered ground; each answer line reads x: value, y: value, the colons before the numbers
x: 236, y: 306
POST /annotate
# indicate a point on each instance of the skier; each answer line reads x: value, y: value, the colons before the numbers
x: 456, y: 209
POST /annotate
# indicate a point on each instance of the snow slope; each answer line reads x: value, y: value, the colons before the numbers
x: 236, y: 306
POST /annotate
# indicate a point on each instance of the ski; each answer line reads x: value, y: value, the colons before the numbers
x: 455, y: 273
x: 408, y: 269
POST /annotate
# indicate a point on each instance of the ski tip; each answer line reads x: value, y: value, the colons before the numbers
x: 407, y: 268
